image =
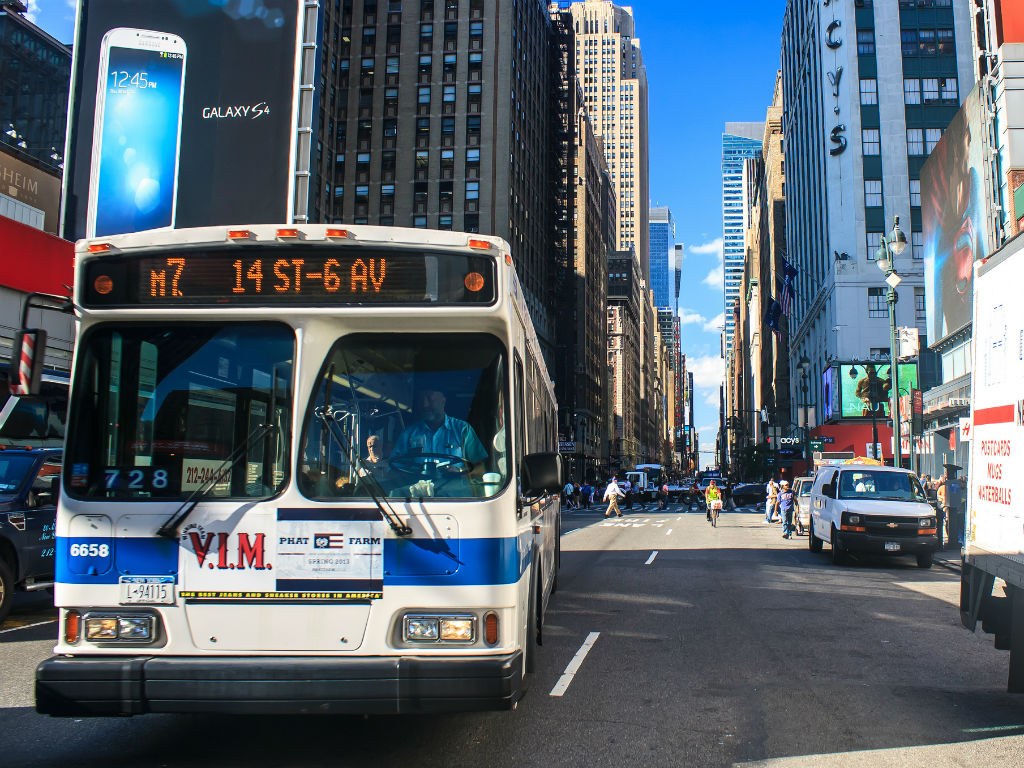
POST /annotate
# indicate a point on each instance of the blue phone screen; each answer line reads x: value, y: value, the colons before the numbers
x: 138, y: 154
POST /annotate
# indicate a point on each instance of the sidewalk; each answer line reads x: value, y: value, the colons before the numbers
x: 949, y: 558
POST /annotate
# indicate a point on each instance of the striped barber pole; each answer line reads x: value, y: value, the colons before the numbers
x: 26, y: 342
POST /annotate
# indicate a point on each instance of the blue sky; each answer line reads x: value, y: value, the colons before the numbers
x: 707, y: 64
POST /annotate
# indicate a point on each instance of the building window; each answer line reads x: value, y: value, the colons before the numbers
x: 912, y: 91
x: 871, y: 141
x: 391, y: 65
x: 930, y: 89
x: 872, y: 193
x: 874, y: 242
x: 908, y: 37
x: 472, y: 190
x: 423, y: 94
x: 949, y: 89
x: 866, y: 42
x: 869, y: 91
x: 931, y: 138
x: 420, y: 222
x: 448, y: 93
x: 915, y: 141
x: 926, y: 42
x: 876, y: 303
x: 915, y: 192
x: 917, y: 244
x: 944, y: 38
x: 919, y: 306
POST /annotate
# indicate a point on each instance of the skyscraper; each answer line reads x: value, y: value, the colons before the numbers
x: 663, y: 235
x: 885, y: 81
x: 437, y: 114
x: 610, y: 69
x: 740, y: 141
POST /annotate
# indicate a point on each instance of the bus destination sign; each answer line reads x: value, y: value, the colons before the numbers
x: 305, y: 275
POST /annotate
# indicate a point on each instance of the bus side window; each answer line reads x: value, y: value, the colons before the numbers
x: 520, y: 410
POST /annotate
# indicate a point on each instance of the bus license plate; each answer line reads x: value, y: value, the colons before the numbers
x: 147, y: 590
x: 892, y: 546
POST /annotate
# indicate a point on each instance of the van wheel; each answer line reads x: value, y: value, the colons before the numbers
x: 924, y: 559
x: 838, y: 555
x: 6, y: 589
x: 813, y: 542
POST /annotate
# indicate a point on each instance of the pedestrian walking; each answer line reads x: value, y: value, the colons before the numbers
x: 771, y: 504
x: 586, y: 495
x: 627, y: 493
x: 612, y: 494
x: 785, y: 499
x: 663, y: 496
x: 568, y: 492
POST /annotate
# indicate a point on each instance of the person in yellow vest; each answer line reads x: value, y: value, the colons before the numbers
x: 713, y: 493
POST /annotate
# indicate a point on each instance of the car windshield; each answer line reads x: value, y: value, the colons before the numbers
x: 13, y: 472
x: 408, y: 416
x: 162, y: 411
x: 876, y: 484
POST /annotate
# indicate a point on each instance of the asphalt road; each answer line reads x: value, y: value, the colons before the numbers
x: 730, y: 646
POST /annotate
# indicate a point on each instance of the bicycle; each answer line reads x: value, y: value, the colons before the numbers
x: 716, y: 507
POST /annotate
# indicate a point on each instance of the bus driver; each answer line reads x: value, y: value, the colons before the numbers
x: 436, y: 436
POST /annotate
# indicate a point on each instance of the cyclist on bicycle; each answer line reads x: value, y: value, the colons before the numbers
x: 712, y: 495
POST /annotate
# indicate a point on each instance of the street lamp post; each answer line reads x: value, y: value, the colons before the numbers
x: 803, y: 365
x: 886, y: 253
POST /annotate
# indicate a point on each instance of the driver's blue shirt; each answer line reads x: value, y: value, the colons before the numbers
x: 453, y: 438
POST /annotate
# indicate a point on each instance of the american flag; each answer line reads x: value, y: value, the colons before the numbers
x: 787, y: 292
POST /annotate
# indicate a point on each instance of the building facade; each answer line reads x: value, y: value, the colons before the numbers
x: 663, y: 240
x: 739, y: 142
x: 437, y: 114
x: 611, y: 70
x: 625, y: 307
x: 868, y: 90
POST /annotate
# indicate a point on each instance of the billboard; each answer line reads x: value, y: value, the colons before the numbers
x: 182, y: 114
x: 828, y: 394
x: 856, y: 383
x: 955, y: 224
x: 33, y: 187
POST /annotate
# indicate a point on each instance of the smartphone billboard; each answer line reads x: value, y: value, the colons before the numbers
x: 954, y: 219
x: 182, y: 114
x: 865, y: 389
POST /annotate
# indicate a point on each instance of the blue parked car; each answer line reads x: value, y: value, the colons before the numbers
x: 29, y: 488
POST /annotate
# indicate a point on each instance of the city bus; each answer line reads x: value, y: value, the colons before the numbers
x: 307, y: 469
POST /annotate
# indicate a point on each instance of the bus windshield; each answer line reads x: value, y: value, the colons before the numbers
x: 157, y: 411
x: 409, y: 416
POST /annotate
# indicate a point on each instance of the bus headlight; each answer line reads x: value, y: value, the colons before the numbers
x: 417, y: 628
x: 421, y: 629
x: 457, y: 630
x: 112, y: 628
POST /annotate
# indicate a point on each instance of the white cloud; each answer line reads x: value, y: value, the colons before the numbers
x: 708, y: 372
x: 716, y: 277
x: 688, y: 316
x: 716, y: 323
x: 712, y: 247
x: 708, y: 432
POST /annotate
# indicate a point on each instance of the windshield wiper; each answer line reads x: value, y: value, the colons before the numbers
x: 169, y: 530
x: 329, y: 416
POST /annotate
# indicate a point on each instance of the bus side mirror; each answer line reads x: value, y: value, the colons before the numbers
x: 27, y: 355
x: 541, y: 473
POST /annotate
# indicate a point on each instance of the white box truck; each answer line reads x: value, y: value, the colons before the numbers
x: 994, y: 543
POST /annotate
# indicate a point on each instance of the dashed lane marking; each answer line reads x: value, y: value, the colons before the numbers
x: 650, y: 559
x: 668, y: 532
x: 570, y: 671
x: 28, y: 626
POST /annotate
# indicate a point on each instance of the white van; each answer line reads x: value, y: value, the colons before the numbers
x: 871, y: 508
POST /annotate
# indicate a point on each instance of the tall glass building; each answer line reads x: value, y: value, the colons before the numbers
x: 662, y: 238
x: 740, y: 141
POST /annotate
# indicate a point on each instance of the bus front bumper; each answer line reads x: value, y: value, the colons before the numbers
x: 101, y: 686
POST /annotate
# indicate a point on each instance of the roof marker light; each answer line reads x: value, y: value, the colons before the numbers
x: 338, y: 234
x: 485, y: 245
x: 290, y: 234
x: 99, y: 247
x: 241, y: 234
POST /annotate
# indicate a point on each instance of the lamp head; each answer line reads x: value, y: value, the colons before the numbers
x: 803, y: 364
x: 897, y: 240
x: 882, y: 256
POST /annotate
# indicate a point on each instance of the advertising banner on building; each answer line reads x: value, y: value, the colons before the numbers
x: 829, y: 393
x: 32, y: 187
x: 183, y: 114
x: 954, y: 221
x: 862, y: 384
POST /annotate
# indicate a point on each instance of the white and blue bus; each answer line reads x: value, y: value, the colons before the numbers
x: 307, y: 469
